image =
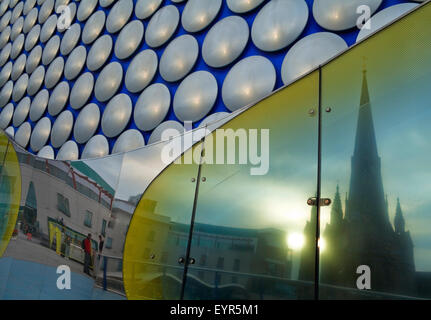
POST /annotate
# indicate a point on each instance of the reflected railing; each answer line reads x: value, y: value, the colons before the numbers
x: 214, y: 288
x: 109, y: 273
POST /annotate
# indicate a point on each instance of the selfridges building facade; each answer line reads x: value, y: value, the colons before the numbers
x: 127, y: 120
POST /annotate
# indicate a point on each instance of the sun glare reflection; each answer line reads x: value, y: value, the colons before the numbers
x: 295, y: 241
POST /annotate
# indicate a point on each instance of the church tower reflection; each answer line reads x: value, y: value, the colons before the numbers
x: 364, y: 235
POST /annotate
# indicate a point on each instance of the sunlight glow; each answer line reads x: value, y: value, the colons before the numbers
x: 295, y: 241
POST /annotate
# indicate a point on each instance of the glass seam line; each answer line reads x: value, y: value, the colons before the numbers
x: 318, y: 195
x: 190, y: 238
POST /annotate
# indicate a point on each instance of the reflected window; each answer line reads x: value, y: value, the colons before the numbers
x: 164, y: 258
x: 218, y: 278
x: 203, y: 260
x: 31, y: 196
x: 181, y: 241
x: 236, y: 265
x: 147, y: 253
x: 103, y: 231
x: 29, y: 211
x: 88, y: 218
x: 108, y: 244
x: 63, y: 204
x: 201, y: 275
x: 111, y: 224
x: 151, y: 235
x: 220, y: 263
x: 120, y: 266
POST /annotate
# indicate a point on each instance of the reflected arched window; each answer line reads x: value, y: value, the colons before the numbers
x: 30, y: 208
x: 30, y: 201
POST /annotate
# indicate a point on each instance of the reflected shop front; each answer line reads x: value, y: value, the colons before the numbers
x: 347, y: 189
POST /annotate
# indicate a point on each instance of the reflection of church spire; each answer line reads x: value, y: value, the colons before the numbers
x: 365, y: 96
x: 399, y: 219
x: 366, y: 197
x: 336, y: 209
x: 365, y: 144
x: 365, y: 235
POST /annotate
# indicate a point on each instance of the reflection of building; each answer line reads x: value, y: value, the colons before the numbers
x: 121, y: 214
x: 255, y: 251
x: 364, y: 235
x: 233, y: 260
x: 74, y: 195
x: 118, y: 224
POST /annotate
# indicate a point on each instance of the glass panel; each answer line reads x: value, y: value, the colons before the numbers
x: 139, y: 168
x: 10, y: 191
x: 254, y: 234
x: 159, y: 229
x: 375, y: 166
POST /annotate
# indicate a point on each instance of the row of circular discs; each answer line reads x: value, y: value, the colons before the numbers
x: 249, y: 79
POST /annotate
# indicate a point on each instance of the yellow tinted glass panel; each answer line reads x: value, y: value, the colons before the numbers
x: 376, y: 165
x: 10, y: 191
x: 254, y: 234
x: 158, y: 234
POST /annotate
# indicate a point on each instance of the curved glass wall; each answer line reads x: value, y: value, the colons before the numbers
x: 246, y: 235
x: 375, y: 166
x: 253, y: 233
x: 156, y: 243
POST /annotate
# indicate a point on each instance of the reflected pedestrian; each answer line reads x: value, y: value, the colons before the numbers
x: 101, y: 243
x: 86, y: 245
x: 28, y: 233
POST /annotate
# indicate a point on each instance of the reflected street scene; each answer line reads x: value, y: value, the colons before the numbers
x: 63, y: 218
